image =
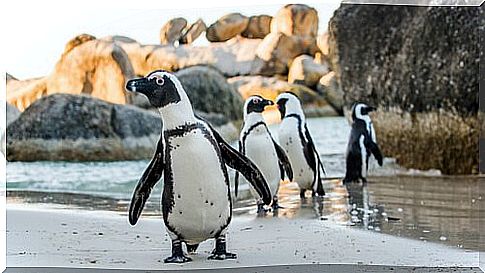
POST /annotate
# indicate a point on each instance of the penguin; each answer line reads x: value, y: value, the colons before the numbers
x: 192, y: 157
x: 257, y: 144
x: 362, y: 143
x: 298, y: 144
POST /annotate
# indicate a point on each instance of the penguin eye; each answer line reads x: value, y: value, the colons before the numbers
x: 255, y: 101
x: 160, y: 81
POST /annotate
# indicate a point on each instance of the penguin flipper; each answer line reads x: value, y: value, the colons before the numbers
x: 236, y: 176
x: 284, y: 162
x: 374, y: 148
x: 244, y: 165
x: 150, y: 177
x: 312, y: 154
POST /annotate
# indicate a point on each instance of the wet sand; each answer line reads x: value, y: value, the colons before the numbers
x: 93, y: 239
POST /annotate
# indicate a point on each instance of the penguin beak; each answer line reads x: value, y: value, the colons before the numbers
x: 268, y: 102
x: 370, y: 109
x: 136, y: 85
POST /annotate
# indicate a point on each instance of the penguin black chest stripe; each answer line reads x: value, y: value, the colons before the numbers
x: 254, y: 126
x: 168, y: 190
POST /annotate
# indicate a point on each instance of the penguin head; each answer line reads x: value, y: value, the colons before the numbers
x: 160, y: 87
x: 256, y: 104
x: 361, y: 111
x: 288, y: 103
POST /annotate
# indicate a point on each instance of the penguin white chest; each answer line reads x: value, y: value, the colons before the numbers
x: 260, y: 149
x: 289, y: 137
x: 201, y: 205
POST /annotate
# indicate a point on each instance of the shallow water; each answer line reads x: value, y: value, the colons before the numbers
x: 421, y: 205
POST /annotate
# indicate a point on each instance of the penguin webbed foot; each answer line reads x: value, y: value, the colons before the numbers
x: 261, y: 209
x: 178, y: 259
x: 275, y: 206
x: 222, y: 256
x: 219, y: 252
x: 177, y: 254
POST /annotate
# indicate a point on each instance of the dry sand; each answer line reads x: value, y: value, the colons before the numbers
x: 74, y: 238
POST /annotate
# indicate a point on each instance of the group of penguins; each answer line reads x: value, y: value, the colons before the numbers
x: 192, y: 158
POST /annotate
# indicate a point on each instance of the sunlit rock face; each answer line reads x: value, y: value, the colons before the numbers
x: 420, y: 67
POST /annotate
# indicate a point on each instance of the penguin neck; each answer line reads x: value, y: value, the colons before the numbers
x: 298, y: 112
x: 175, y: 115
x: 251, y: 119
x: 364, y: 118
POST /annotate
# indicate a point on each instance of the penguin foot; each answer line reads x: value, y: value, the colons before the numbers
x: 275, y: 206
x: 178, y: 259
x: 222, y: 256
x: 261, y: 210
x: 191, y: 249
x: 219, y: 252
x: 177, y: 254
x: 302, y: 194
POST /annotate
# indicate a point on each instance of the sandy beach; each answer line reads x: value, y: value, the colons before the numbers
x: 93, y: 239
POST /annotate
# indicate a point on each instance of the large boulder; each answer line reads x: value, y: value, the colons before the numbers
x: 12, y: 113
x: 258, y: 27
x: 95, y: 67
x: 172, y: 31
x: 73, y: 127
x: 209, y: 91
x: 331, y: 91
x: 322, y: 43
x: 82, y: 128
x: 278, y: 50
x: 22, y: 93
x: 234, y: 57
x: 193, y: 32
x: 296, y: 20
x: 78, y: 40
x: 304, y: 70
x: 422, y: 74
x: 227, y: 27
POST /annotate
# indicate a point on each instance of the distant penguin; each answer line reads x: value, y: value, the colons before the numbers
x: 257, y: 144
x: 298, y: 144
x: 362, y: 143
x: 192, y: 156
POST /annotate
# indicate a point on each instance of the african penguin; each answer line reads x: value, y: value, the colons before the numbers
x: 192, y: 156
x: 362, y: 143
x: 256, y: 143
x: 298, y: 144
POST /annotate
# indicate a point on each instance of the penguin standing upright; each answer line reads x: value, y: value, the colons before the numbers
x: 362, y: 143
x: 298, y: 144
x: 257, y: 144
x: 192, y: 156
